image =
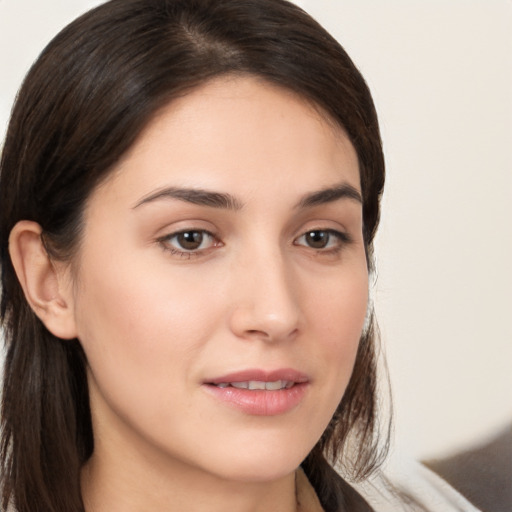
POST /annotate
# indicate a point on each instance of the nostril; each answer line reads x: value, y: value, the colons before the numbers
x: 271, y: 334
x: 256, y: 333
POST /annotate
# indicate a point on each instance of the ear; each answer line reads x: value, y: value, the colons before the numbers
x: 46, y: 283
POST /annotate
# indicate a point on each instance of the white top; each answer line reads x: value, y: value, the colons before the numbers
x: 427, y: 489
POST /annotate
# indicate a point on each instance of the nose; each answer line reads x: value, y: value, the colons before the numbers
x: 266, y: 302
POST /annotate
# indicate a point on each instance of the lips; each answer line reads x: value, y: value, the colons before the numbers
x: 257, y: 375
x: 260, y: 392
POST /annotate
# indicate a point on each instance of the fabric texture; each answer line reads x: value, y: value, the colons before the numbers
x: 404, y: 486
x: 407, y: 485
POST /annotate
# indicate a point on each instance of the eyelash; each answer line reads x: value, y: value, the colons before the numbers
x: 342, y: 239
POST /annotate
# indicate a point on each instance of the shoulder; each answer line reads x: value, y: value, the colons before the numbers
x: 405, y: 484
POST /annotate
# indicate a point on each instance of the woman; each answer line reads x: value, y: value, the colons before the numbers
x: 190, y: 192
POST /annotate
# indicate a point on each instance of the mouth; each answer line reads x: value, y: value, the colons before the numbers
x: 253, y: 385
x: 261, y: 393
x: 257, y: 380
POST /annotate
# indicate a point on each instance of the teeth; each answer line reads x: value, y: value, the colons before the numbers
x: 278, y: 384
x: 258, y: 385
x: 240, y: 385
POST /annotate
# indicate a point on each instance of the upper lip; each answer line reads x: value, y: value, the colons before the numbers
x: 286, y: 374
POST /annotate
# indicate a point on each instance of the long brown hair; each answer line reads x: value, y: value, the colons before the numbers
x: 82, y: 105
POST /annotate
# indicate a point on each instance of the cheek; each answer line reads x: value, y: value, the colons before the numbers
x: 140, y: 330
x: 136, y: 300
x: 142, y: 338
x: 339, y: 308
x: 337, y: 314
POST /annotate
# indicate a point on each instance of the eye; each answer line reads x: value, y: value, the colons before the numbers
x: 188, y: 241
x: 323, y: 239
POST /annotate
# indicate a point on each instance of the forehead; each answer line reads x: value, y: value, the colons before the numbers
x: 234, y: 132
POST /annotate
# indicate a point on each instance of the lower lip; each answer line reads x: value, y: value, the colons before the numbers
x: 260, y: 402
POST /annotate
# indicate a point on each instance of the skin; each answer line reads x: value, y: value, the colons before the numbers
x: 156, y: 321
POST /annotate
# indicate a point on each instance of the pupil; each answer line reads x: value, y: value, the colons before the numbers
x: 190, y: 240
x: 317, y: 239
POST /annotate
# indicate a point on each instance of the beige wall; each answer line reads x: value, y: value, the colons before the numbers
x: 441, y: 74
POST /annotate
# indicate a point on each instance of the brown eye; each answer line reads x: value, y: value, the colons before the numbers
x: 323, y: 239
x: 190, y: 241
x: 317, y: 239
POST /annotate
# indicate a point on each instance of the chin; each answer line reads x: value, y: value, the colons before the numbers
x: 260, y: 465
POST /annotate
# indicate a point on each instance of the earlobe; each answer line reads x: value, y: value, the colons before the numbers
x: 44, y: 282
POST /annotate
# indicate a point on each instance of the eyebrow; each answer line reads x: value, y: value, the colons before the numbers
x: 197, y: 196
x: 329, y: 195
x: 226, y: 201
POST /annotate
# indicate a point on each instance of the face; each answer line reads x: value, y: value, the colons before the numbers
x: 221, y: 284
